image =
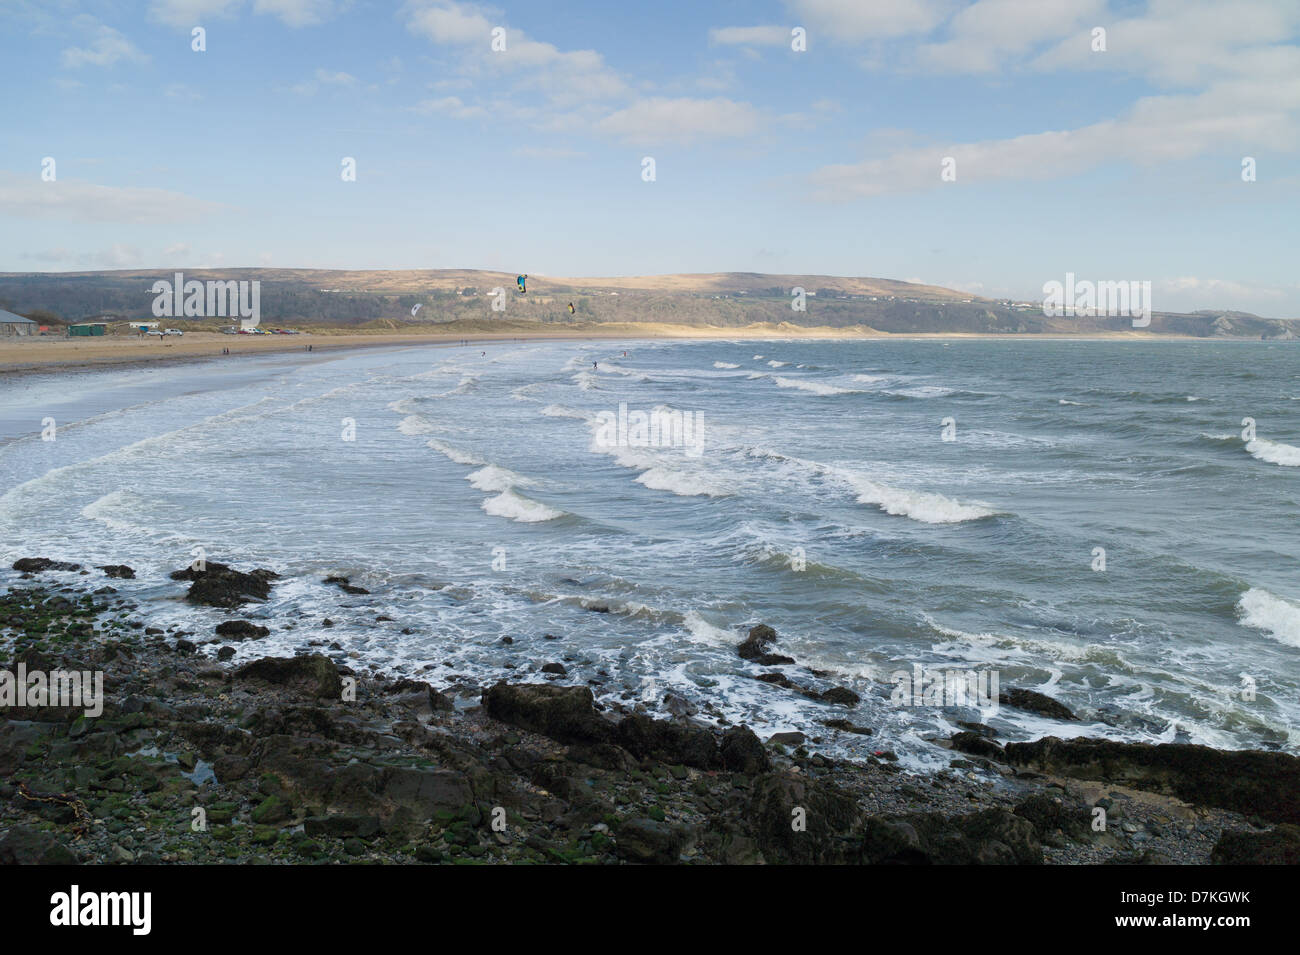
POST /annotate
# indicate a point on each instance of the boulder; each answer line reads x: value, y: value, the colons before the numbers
x: 683, y: 743
x: 991, y: 837
x: 841, y: 695
x: 742, y: 752
x: 36, y: 565
x: 24, y: 846
x: 756, y: 644
x: 1032, y: 702
x: 1251, y: 782
x: 313, y: 674
x: 827, y: 818
x: 1280, y: 846
x: 648, y: 841
x: 220, y: 586
x: 241, y: 630
x: 119, y: 571
x: 977, y: 745
x: 565, y: 713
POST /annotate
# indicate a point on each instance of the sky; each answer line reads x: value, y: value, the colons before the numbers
x: 990, y: 146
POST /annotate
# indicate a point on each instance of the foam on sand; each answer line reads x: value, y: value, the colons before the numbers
x: 1279, y: 618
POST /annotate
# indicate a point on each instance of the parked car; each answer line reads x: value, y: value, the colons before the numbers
x: 173, y: 331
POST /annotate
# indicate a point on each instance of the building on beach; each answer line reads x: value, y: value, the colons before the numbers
x: 11, y: 324
x: 85, y: 329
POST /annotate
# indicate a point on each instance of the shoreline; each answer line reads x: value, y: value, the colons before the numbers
x: 21, y: 356
x: 305, y: 760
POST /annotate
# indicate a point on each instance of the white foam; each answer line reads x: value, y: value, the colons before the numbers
x: 813, y: 387
x: 1274, y: 452
x: 777, y: 364
x: 456, y: 454
x: 680, y: 483
x: 705, y: 632
x: 518, y: 508
x: 496, y: 478
x: 724, y: 364
x: 415, y: 425
x: 925, y: 506
x: 1279, y: 618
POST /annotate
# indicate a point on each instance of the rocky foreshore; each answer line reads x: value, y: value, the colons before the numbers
x: 303, y: 760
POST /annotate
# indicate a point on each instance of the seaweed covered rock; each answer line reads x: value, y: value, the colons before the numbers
x: 564, y: 713
x: 1246, y: 781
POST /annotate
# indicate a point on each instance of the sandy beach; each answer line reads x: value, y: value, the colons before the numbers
x: 34, y: 353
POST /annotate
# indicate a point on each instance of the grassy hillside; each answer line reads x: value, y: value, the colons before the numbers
x: 385, y: 300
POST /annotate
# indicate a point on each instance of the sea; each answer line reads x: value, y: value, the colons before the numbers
x: 1112, y: 524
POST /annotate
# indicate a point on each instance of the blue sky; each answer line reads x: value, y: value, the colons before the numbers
x: 1117, y: 164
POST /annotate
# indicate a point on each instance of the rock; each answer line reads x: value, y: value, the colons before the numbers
x: 742, y: 752
x: 829, y: 819
x: 756, y: 644
x: 846, y: 727
x: 683, y: 743
x: 185, y: 646
x: 225, y: 653
x: 340, y: 825
x: 791, y: 738
x: 220, y: 586
x: 1266, y: 784
x: 119, y: 571
x: 565, y: 713
x: 1147, y: 857
x: 36, y: 565
x: 241, y: 630
x: 1048, y: 813
x: 1280, y: 846
x: 556, y: 668
x: 428, y: 695
x: 1033, y: 702
x: 991, y: 837
x: 24, y: 846
x: 976, y: 745
x: 841, y: 695
x: 677, y: 705
x: 313, y: 674
x: 648, y: 841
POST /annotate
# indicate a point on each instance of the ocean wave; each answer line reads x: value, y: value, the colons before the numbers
x: 1279, y: 618
x: 496, y: 478
x: 518, y: 508
x: 1274, y: 452
x: 813, y: 387
x: 456, y: 454
x: 724, y: 364
x: 777, y: 364
x: 681, y: 483
x: 927, y: 507
x: 416, y: 425
x: 563, y: 411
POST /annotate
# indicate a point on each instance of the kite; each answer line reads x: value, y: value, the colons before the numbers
x: 570, y: 308
x: 520, y: 282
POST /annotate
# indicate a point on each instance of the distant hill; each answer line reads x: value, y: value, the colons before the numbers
x: 385, y: 299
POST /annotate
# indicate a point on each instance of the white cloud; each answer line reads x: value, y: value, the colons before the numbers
x: 659, y: 120
x: 108, y: 47
x: 851, y: 20
x: 324, y: 78
x: 989, y: 35
x: 191, y: 13
x: 297, y: 13
x: 749, y: 36
x: 451, y: 106
x: 26, y: 197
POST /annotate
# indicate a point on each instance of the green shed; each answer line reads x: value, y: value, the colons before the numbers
x: 88, y: 328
